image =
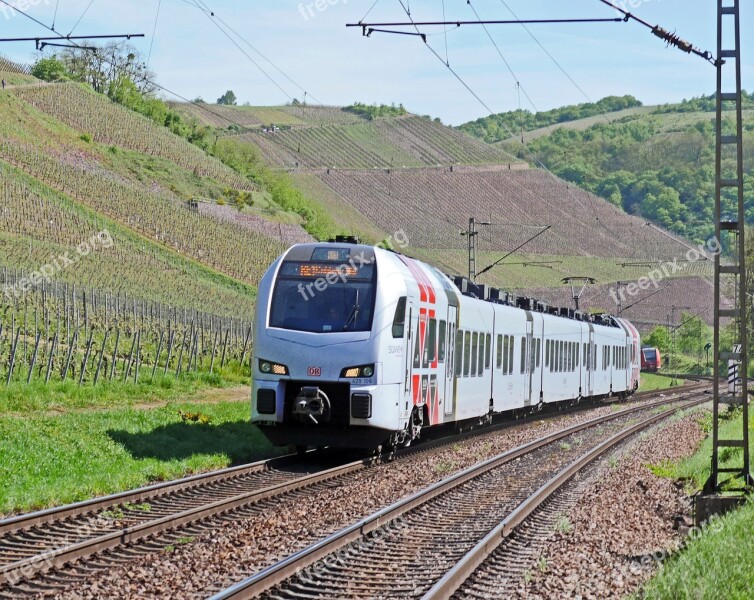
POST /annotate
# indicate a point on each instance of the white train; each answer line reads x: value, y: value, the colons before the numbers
x: 357, y: 346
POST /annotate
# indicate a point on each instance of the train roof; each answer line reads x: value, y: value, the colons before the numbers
x: 465, y: 286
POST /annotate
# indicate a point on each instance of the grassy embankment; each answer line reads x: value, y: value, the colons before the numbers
x: 67, y: 444
x: 716, y: 563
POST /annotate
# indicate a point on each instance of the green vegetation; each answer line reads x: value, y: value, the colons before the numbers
x: 374, y: 111
x: 49, y: 69
x: 653, y: 381
x: 65, y: 396
x: 228, y: 99
x: 502, y: 126
x: 658, y: 164
x: 695, y: 470
x: 716, y: 563
x: 48, y: 460
x: 717, y: 560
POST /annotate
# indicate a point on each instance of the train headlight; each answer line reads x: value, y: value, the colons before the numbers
x: 267, y: 366
x: 356, y: 372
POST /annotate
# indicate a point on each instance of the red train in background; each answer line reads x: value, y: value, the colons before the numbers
x: 651, y: 360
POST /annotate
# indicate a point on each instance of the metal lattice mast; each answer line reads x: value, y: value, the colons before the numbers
x: 732, y: 227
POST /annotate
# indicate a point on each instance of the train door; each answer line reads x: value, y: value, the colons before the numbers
x: 449, y: 393
x: 411, y: 333
x: 528, y: 359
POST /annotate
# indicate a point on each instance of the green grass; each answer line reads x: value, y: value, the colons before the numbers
x: 716, y: 564
x: 50, y: 460
x: 653, y: 381
x: 68, y: 395
x: 695, y: 470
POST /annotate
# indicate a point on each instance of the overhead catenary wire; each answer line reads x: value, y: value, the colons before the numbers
x: 83, y: 14
x: 245, y: 41
x: 271, y: 79
x: 154, y: 31
x: 519, y: 87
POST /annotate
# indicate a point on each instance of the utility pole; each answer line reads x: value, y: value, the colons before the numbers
x: 671, y: 323
x: 728, y: 64
x: 472, y: 235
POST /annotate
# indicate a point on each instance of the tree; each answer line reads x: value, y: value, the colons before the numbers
x: 659, y: 338
x: 228, y: 99
x: 107, y: 64
x: 49, y: 69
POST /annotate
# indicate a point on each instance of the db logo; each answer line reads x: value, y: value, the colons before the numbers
x: 314, y: 371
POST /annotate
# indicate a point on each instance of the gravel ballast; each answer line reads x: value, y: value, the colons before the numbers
x: 275, y: 529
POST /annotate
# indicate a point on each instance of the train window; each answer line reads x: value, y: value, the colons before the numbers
x: 482, y: 348
x: 574, y: 355
x: 466, y: 353
x: 443, y: 341
x: 539, y: 353
x: 523, y: 354
x: 570, y: 356
x: 499, y: 362
x: 511, y: 344
x: 584, y: 360
x: 506, y: 355
x: 432, y: 342
x: 561, y: 356
x: 399, y: 319
x: 555, y: 356
x: 474, y: 352
x: 459, y: 353
x: 488, y: 351
x: 547, y: 353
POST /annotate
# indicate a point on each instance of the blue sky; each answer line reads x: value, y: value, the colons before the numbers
x: 338, y: 66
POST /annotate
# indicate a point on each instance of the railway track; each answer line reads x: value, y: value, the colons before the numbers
x: 40, y: 542
x: 429, y: 544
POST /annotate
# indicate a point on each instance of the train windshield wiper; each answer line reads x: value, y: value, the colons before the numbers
x: 353, y: 315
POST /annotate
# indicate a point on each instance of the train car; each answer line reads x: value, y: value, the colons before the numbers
x: 651, y: 360
x: 358, y: 346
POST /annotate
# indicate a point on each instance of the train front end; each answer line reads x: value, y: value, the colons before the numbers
x: 323, y: 371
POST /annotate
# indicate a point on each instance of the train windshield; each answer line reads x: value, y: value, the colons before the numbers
x: 324, y: 298
x: 650, y: 354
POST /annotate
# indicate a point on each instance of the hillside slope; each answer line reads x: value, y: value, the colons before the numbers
x: 657, y: 162
x: 85, y: 162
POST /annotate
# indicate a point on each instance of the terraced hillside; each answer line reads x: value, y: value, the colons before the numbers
x: 109, y: 123
x: 395, y: 142
x: 75, y: 153
x: 221, y: 117
x: 432, y: 204
x: 647, y: 308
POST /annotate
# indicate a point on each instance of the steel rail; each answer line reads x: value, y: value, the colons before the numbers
x: 50, y: 515
x: 61, y: 555
x: 288, y: 567
x: 452, y: 581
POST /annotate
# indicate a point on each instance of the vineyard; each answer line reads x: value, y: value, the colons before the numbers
x: 58, y: 332
x: 692, y: 293
x: 226, y: 247
x: 392, y: 142
x: 433, y: 205
x: 222, y: 117
x: 109, y: 123
x: 37, y: 223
